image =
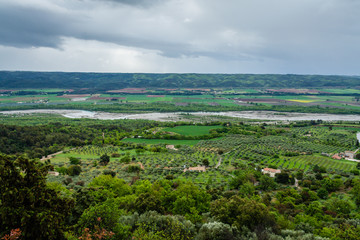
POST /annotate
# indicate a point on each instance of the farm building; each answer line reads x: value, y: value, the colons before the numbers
x: 198, y: 168
x: 53, y: 173
x: 336, y: 156
x: 271, y: 171
x: 349, y: 154
x: 172, y: 147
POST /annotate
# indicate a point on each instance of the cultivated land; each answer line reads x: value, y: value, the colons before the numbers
x: 188, y: 176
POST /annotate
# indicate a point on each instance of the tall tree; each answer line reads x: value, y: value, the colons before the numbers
x: 27, y: 203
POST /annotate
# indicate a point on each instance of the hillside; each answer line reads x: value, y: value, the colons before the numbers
x: 20, y: 79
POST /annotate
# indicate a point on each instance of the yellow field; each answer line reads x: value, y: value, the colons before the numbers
x: 302, y: 101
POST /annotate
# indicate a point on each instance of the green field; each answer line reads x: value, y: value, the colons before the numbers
x: 165, y: 141
x: 191, y: 130
x: 306, y: 162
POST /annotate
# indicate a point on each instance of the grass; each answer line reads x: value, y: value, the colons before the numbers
x: 191, y: 130
x: 90, y: 153
x: 307, y: 161
x: 159, y: 141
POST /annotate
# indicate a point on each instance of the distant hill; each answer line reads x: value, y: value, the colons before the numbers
x: 22, y: 79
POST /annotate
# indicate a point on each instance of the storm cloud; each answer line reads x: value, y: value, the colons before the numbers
x: 259, y: 36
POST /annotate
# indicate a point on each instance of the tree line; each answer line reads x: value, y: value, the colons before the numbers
x: 14, y: 79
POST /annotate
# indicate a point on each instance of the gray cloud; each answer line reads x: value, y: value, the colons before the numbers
x: 137, y: 2
x: 32, y: 27
x: 300, y: 36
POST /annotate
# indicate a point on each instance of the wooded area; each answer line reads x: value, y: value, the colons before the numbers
x: 68, y: 80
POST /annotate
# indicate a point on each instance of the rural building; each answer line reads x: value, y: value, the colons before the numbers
x: 198, y: 168
x: 172, y: 147
x: 271, y: 171
x: 53, y: 173
x: 336, y: 156
x: 349, y: 154
x: 325, y: 154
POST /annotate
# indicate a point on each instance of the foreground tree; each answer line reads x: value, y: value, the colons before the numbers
x: 239, y: 212
x: 27, y: 203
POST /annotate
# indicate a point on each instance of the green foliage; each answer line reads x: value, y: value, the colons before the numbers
x: 322, y: 193
x: 104, y: 215
x: 267, y: 183
x: 332, y: 185
x: 74, y: 161
x: 189, y: 197
x: 125, y: 159
x: 206, y: 162
x: 133, y: 168
x: 115, y: 155
x: 216, y: 231
x: 153, y: 224
x: 68, y: 80
x: 148, y: 202
x: 284, y: 178
x: 109, y: 172
x: 115, y: 185
x: 341, y: 206
x: 74, y: 170
x: 104, y: 159
x: 243, y: 212
x: 28, y: 203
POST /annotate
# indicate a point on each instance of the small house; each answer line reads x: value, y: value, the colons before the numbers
x: 270, y: 171
x: 349, y: 154
x: 171, y: 147
x: 198, y: 169
x: 336, y: 156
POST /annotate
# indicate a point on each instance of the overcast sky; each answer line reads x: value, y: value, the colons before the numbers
x: 201, y: 36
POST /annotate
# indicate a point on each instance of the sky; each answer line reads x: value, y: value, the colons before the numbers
x: 181, y: 36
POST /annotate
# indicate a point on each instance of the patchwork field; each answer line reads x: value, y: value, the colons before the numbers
x: 184, y: 97
x: 191, y: 130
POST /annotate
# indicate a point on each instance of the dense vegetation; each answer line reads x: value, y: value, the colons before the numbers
x: 122, y: 80
x: 110, y: 188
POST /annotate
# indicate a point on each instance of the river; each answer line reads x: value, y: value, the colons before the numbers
x: 260, y: 115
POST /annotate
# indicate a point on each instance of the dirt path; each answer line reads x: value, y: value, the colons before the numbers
x: 141, y: 166
x: 48, y: 157
x: 296, y: 183
x: 353, y: 160
x: 219, y: 162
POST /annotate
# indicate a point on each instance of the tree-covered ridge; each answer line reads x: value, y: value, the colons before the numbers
x: 19, y: 79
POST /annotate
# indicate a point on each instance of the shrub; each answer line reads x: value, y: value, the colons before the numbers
x: 215, y: 231
x: 67, y: 180
x: 104, y: 159
x: 74, y: 160
x: 133, y: 168
x: 74, y: 170
x: 115, y: 155
x: 109, y: 172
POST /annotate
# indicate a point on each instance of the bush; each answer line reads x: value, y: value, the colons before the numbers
x: 125, y: 159
x: 104, y: 160
x: 74, y: 170
x: 109, y: 172
x: 74, y: 160
x: 67, y: 180
x: 80, y: 183
x: 134, y: 168
x: 152, y: 224
x: 115, y: 155
x: 215, y: 231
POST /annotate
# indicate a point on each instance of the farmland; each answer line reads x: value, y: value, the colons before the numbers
x: 191, y: 130
x: 187, y: 170
x: 185, y: 99
x: 128, y: 164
